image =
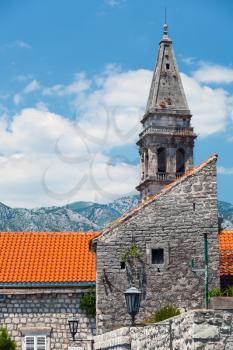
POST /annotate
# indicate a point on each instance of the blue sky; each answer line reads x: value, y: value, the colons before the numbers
x: 74, y: 82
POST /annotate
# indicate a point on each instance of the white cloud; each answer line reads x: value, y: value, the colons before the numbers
x: 29, y: 88
x: 16, y: 44
x: 79, y: 85
x: 44, y: 156
x: 41, y: 106
x: 23, y: 77
x: 32, y: 86
x: 44, y: 159
x: 208, y: 73
x: 225, y: 171
x: 115, y: 3
x: 17, y: 99
x: 22, y: 44
x: 211, y: 107
x: 188, y: 60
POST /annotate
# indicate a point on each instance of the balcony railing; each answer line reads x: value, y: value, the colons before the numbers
x: 179, y: 175
x: 167, y: 130
x: 162, y: 176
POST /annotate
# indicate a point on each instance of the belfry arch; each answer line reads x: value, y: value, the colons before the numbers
x: 162, y: 160
x: 180, y: 160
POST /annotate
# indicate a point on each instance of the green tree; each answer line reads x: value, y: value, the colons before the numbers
x: 6, y: 343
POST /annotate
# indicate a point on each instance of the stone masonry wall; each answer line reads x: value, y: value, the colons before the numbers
x: 44, y: 311
x: 176, y: 221
x: 195, y: 330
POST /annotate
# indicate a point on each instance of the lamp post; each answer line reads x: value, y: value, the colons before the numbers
x: 73, y: 326
x: 132, y: 297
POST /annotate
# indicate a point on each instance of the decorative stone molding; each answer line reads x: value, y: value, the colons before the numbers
x: 36, y: 331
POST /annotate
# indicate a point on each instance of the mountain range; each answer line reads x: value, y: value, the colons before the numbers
x: 79, y: 216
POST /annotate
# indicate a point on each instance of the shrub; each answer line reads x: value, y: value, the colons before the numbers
x: 166, y: 312
x: 6, y: 343
x: 229, y: 291
x: 88, y: 303
x: 215, y: 292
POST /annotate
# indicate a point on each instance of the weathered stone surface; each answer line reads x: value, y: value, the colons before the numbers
x: 167, y: 140
x: 194, y: 330
x: 173, y: 223
x: 221, y: 303
x: 205, y: 332
x: 35, y: 312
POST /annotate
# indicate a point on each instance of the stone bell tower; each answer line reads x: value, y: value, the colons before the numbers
x: 167, y: 140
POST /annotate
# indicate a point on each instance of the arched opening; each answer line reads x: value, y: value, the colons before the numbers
x: 162, y: 160
x: 180, y: 161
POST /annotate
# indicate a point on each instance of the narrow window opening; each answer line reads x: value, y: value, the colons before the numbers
x: 167, y: 66
x: 157, y: 256
x: 146, y: 162
x: 122, y: 265
x: 162, y: 160
x: 180, y: 161
x: 194, y: 206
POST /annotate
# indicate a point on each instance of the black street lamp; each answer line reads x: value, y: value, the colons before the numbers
x: 132, y: 297
x: 73, y: 326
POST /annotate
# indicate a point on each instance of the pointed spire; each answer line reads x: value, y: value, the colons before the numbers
x: 166, y: 92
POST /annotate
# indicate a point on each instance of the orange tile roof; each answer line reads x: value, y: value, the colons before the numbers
x: 153, y: 197
x: 46, y: 257
x: 226, y: 252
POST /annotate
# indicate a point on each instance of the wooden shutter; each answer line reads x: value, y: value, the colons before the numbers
x: 35, y: 342
x: 41, y: 342
x: 30, y: 343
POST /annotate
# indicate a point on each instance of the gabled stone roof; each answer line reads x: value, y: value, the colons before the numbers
x: 153, y: 198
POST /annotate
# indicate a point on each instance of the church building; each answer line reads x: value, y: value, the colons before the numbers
x: 178, y: 207
x: 43, y: 276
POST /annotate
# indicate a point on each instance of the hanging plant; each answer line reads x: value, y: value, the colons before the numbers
x: 132, y: 251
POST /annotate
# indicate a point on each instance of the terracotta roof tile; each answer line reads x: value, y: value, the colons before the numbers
x: 46, y: 257
x: 226, y: 252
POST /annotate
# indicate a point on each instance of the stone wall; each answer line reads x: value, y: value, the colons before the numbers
x: 175, y: 221
x: 194, y: 330
x: 45, y: 312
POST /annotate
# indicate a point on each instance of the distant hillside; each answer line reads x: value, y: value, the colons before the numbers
x: 79, y: 216
x: 226, y: 212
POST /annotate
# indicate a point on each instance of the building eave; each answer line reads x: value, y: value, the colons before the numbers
x: 46, y: 284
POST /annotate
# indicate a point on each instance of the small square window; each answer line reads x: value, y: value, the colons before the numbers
x: 122, y: 265
x: 157, y: 256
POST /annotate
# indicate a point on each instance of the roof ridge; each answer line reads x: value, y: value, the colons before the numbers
x: 165, y: 189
